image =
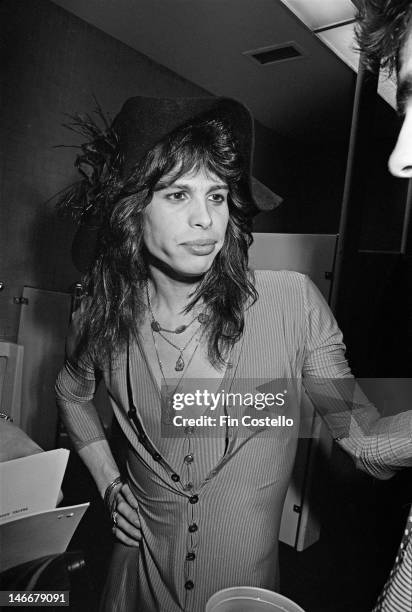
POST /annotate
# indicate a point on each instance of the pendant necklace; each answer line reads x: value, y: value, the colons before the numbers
x: 156, y: 327
x: 180, y: 363
x: 170, y: 394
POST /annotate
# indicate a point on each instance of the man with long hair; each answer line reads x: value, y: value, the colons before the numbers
x: 384, y: 35
x: 171, y: 304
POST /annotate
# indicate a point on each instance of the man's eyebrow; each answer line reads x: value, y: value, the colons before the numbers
x: 404, y: 94
x: 218, y: 186
x: 165, y: 184
x: 176, y: 185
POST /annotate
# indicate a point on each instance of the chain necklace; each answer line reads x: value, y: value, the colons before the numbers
x: 169, y: 395
x: 155, y: 327
x: 180, y: 362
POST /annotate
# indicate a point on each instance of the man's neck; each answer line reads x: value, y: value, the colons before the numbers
x: 170, y: 296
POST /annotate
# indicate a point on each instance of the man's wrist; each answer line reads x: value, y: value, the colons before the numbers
x: 109, y: 493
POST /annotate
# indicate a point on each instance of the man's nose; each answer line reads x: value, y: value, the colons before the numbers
x: 400, y: 161
x: 200, y: 213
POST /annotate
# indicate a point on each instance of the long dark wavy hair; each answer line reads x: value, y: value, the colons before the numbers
x: 380, y: 31
x: 115, y: 283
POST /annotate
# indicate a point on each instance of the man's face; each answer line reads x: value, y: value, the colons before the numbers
x: 400, y: 161
x: 185, y: 223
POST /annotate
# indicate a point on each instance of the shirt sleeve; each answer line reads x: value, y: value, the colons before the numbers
x: 379, y: 445
x: 75, y: 388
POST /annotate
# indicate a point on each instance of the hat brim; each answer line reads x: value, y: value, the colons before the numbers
x: 264, y: 198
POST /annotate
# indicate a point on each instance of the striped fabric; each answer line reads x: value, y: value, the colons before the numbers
x: 210, y: 507
x: 397, y: 592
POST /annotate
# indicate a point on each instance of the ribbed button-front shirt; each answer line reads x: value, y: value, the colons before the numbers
x: 210, y: 506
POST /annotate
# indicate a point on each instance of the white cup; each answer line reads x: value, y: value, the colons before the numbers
x: 250, y: 599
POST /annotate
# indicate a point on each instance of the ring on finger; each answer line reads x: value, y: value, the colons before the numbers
x: 115, y: 514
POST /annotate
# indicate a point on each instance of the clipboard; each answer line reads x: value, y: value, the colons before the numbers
x: 31, y: 526
x: 38, y: 535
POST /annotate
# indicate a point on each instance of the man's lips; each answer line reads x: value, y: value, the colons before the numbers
x: 200, y: 242
x: 202, y: 246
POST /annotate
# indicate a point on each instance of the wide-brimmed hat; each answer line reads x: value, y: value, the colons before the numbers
x: 143, y: 122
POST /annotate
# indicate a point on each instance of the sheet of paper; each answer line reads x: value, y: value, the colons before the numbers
x: 38, y: 535
x: 31, y: 484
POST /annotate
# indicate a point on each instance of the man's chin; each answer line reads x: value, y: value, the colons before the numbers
x: 188, y: 271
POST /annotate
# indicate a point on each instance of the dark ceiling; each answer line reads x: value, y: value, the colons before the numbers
x: 205, y: 41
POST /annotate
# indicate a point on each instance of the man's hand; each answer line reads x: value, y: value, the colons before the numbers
x: 125, y: 517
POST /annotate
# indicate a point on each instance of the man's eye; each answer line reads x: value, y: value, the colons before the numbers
x: 217, y: 197
x: 177, y: 196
